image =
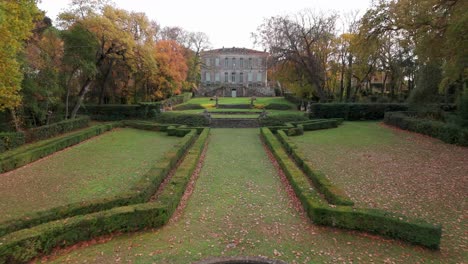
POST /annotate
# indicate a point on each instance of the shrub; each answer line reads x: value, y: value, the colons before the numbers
x: 370, y: 220
x: 52, y: 130
x: 11, y: 140
x: 447, y: 132
x: 280, y: 120
x: 324, y: 124
x: 117, y: 112
x: 26, y: 244
x: 355, y: 111
x: 276, y: 106
x: 197, y: 120
x: 296, y: 131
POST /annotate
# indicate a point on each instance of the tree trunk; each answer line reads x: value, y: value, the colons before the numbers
x: 105, y: 81
x: 16, y: 122
x: 67, y: 98
x: 343, y: 65
x: 384, y: 84
x: 81, y: 95
x: 349, y: 77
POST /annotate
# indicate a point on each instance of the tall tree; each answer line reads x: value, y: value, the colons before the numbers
x: 16, y: 22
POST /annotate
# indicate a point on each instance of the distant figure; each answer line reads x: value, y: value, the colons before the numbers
x: 309, y: 107
x: 216, y: 99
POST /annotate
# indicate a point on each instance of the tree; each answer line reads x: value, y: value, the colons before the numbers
x: 41, y: 86
x: 172, y: 68
x: 16, y: 22
x: 303, y: 40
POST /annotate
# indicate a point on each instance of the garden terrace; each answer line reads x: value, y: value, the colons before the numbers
x: 389, y: 169
x: 101, y: 167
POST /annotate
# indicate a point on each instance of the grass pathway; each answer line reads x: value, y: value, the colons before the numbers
x: 240, y: 207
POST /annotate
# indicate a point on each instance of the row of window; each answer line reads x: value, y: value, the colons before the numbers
x: 233, y: 77
x: 232, y: 62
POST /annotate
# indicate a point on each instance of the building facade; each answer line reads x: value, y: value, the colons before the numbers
x: 234, y: 72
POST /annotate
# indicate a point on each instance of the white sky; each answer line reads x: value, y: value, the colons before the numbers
x: 227, y: 23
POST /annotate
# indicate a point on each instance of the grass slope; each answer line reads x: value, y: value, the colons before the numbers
x: 240, y: 207
x: 100, y: 167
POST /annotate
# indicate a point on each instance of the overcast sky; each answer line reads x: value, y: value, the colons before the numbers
x: 227, y: 23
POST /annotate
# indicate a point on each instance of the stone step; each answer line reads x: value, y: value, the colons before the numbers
x: 234, y: 122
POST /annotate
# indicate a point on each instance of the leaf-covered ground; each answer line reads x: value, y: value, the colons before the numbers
x: 99, y: 167
x: 383, y: 167
x: 240, y: 206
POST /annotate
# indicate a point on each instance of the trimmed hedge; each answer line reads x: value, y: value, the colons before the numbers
x: 369, y: 220
x: 354, y: 111
x: 11, y: 140
x: 316, y: 125
x: 52, y: 130
x: 196, y: 120
x: 26, y: 244
x: 119, y: 112
x: 277, y: 106
x: 19, y: 157
x: 447, y: 132
x: 139, y: 193
x: 332, y: 193
x: 280, y: 120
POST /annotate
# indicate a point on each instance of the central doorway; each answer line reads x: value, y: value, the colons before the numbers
x: 234, y: 93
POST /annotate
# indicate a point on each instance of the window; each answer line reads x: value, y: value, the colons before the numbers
x: 259, y: 62
x: 217, y: 76
x: 250, y: 63
x: 233, y: 77
x: 207, y: 77
x: 241, y: 63
x: 249, y: 77
x: 217, y: 62
x: 226, y: 63
x: 233, y: 63
x: 259, y: 76
x: 226, y: 79
x: 208, y: 62
x: 241, y: 77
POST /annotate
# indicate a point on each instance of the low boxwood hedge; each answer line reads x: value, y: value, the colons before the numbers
x: 333, y: 194
x: 280, y: 120
x: 188, y: 107
x: 11, y: 140
x: 52, y: 130
x: 277, y: 106
x: 370, y: 220
x: 447, y: 132
x: 21, y: 246
x: 138, y: 193
x: 354, y: 111
x: 21, y: 156
x: 196, y: 120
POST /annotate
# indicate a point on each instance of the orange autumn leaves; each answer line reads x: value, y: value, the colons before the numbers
x: 172, y: 66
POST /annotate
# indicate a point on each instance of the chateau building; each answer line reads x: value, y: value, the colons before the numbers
x: 234, y: 72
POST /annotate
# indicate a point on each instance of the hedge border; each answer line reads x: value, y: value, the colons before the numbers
x: 333, y: 194
x: 375, y: 221
x: 26, y: 244
x: 354, y: 111
x: 11, y: 140
x: 52, y: 130
x: 448, y: 133
x: 138, y: 193
x: 16, y: 158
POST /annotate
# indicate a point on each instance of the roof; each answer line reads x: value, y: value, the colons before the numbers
x: 235, y: 50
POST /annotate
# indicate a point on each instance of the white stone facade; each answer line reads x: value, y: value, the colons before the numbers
x: 234, y: 72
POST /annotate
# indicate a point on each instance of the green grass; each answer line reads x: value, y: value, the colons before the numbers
x: 208, y: 103
x: 234, y: 116
x: 240, y: 207
x: 100, y: 167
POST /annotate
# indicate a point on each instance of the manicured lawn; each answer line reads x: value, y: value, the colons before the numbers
x: 239, y: 100
x: 382, y: 167
x: 100, y: 167
x: 240, y: 207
